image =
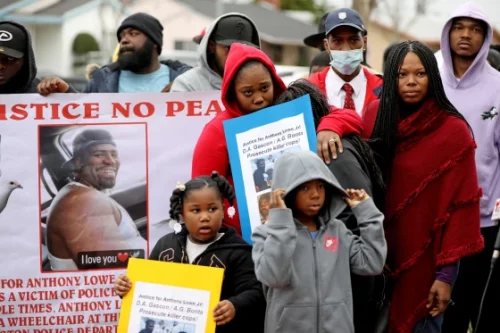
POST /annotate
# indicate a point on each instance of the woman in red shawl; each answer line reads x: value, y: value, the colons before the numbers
x: 425, y: 149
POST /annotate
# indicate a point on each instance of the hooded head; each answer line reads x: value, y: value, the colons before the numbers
x: 250, y: 81
x: 224, y: 31
x: 294, y: 168
x: 466, y: 34
x: 17, y: 60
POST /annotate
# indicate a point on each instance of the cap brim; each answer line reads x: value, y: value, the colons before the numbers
x: 229, y: 42
x: 10, y: 52
x: 345, y: 25
x: 315, y: 40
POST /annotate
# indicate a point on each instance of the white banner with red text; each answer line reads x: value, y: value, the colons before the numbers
x: 85, y: 182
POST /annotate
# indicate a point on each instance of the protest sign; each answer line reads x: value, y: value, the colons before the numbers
x: 170, y: 296
x: 84, y: 186
x: 255, y: 142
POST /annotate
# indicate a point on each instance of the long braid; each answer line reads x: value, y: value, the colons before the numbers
x: 383, y: 139
x: 321, y: 109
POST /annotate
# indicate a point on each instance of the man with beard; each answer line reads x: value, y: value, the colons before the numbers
x: 224, y: 31
x: 138, y: 68
x: 82, y: 216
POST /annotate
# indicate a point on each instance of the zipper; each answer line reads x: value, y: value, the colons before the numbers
x: 316, y: 279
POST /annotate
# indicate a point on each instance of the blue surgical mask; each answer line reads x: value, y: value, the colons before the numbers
x: 346, y: 62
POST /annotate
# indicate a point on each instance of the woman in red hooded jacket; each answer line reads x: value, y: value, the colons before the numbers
x: 250, y: 83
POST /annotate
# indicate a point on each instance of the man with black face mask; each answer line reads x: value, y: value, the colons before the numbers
x: 138, y: 68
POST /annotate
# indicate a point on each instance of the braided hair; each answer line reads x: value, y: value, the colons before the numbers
x: 321, y: 108
x: 383, y: 139
x: 215, y: 181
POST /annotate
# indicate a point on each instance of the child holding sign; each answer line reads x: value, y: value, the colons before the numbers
x: 304, y: 255
x: 200, y: 240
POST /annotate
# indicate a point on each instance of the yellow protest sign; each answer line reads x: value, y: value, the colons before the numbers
x: 171, y: 297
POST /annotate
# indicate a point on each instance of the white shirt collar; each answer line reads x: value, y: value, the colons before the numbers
x: 335, y: 83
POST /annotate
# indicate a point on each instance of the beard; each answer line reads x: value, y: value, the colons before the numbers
x: 137, y: 59
x: 215, y: 63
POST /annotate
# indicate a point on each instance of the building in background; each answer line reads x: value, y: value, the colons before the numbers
x: 281, y: 34
x: 67, y: 34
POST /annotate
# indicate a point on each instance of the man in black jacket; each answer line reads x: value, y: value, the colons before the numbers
x: 17, y: 60
x: 138, y: 68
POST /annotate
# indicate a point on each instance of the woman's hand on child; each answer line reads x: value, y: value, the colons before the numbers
x: 356, y: 197
x: 439, y: 298
x: 224, y: 312
x: 122, y: 285
x: 277, y: 199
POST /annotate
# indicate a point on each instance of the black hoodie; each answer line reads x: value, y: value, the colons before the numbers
x: 240, y: 285
x: 25, y: 81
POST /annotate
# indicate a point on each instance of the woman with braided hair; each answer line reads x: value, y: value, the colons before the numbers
x: 200, y: 239
x: 425, y: 150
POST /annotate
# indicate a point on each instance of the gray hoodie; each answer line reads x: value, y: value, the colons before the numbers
x: 202, y: 77
x: 308, y: 282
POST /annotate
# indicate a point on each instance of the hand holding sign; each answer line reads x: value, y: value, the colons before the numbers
x: 224, y: 312
x: 122, y: 285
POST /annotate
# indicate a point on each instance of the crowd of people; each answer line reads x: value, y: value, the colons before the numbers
x: 388, y: 228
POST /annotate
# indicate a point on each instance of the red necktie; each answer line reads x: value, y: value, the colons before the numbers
x: 348, y: 102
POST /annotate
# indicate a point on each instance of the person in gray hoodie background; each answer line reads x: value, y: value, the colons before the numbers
x: 304, y: 255
x: 471, y: 84
x: 213, y: 50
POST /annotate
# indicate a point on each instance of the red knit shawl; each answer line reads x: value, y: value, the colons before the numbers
x: 432, y: 207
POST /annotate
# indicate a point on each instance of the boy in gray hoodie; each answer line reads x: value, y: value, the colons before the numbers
x: 304, y: 255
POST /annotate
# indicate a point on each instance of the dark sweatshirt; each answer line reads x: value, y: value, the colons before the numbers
x: 25, y: 81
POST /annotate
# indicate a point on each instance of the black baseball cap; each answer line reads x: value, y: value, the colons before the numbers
x: 234, y: 29
x: 316, y: 40
x: 86, y: 139
x: 344, y: 17
x: 13, y: 40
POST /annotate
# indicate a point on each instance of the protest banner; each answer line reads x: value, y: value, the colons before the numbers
x: 170, y: 297
x: 85, y: 181
x: 255, y: 142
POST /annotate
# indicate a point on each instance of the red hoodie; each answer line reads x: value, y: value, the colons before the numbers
x: 331, y: 122
x: 210, y: 153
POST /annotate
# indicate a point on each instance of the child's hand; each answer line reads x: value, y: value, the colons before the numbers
x: 224, y: 312
x: 276, y: 199
x: 356, y: 197
x: 122, y: 285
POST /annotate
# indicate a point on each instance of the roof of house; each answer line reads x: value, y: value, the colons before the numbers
x: 61, y: 7
x: 52, y: 12
x: 274, y: 26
